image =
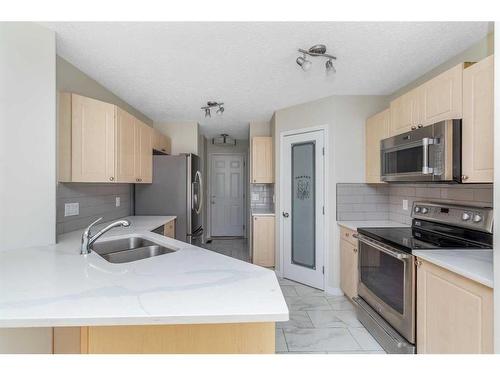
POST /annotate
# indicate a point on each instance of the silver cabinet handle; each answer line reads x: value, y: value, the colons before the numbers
x: 413, y: 127
x: 465, y: 177
x: 285, y: 214
x: 420, y: 126
x: 111, y: 179
x: 425, y: 163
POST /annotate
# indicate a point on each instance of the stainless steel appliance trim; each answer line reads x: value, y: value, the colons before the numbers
x: 189, y: 193
x: 197, y: 198
x: 425, y: 162
x: 390, y: 340
x: 404, y: 323
x: 385, y: 249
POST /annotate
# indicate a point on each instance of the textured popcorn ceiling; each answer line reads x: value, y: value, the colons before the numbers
x: 168, y: 70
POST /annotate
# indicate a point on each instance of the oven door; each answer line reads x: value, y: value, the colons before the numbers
x: 387, y: 283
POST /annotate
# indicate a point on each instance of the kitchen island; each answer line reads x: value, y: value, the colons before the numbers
x: 188, y: 301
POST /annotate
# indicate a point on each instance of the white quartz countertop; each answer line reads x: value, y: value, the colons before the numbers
x: 262, y: 212
x: 476, y: 265
x: 354, y: 225
x: 54, y: 285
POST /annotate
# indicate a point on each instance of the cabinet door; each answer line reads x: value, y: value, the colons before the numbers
x: 477, y: 124
x: 169, y: 229
x: 454, y: 314
x: 442, y: 96
x: 263, y: 240
x: 262, y: 160
x: 406, y: 112
x: 376, y: 129
x: 348, y: 268
x: 126, y: 144
x: 92, y: 140
x: 144, y: 153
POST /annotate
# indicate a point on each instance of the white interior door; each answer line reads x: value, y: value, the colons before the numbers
x: 302, y: 202
x: 227, y: 200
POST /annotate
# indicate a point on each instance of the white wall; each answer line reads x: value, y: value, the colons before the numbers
x: 184, y: 136
x: 345, y: 118
x: 27, y: 154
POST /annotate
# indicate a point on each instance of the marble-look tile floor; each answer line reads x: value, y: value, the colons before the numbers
x: 319, y: 322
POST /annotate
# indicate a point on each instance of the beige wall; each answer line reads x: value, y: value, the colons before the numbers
x: 184, y: 136
x: 476, y: 52
x: 345, y: 118
x: 71, y: 79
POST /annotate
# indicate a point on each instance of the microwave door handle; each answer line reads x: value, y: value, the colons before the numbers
x: 425, y: 164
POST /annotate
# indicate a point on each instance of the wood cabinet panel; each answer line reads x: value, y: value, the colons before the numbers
x: 442, y: 96
x: 169, y: 229
x: 92, y: 140
x: 454, y: 314
x: 377, y: 128
x: 406, y: 112
x: 263, y: 241
x: 348, y: 268
x: 144, y: 153
x: 477, y: 124
x: 126, y: 147
x: 262, y: 160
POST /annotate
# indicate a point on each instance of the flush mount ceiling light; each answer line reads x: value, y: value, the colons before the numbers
x: 212, y: 105
x: 318, y: 50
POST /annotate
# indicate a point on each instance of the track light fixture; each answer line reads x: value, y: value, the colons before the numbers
x: 318, y: 50
x: 212, y: 105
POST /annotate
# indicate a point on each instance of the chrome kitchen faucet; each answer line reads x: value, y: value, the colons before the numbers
x: 88, y: 239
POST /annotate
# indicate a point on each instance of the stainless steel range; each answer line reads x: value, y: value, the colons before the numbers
x: 387, y: 277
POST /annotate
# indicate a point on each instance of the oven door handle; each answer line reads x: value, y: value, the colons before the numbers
x: 425, y: 162
x: 393, y: 253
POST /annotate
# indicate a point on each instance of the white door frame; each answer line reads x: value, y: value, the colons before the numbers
x: 326, y: 238
x: 209, y: 190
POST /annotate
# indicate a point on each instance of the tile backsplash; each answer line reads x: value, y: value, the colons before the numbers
x: 385, y: 202
x: 95, y: 200
x: 262, y: 196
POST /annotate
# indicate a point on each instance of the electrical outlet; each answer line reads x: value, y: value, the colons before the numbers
x: 71, y: 209
x: 405, y: 204
x: 255, y: 196
x: 117, y: 201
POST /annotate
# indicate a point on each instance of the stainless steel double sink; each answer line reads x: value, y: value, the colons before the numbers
x: 130, y: 249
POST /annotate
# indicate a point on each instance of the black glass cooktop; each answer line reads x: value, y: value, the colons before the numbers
x: 424, y: 235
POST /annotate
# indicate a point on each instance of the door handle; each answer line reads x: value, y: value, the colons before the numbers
x: 285, y: 214
x: 426, y: 169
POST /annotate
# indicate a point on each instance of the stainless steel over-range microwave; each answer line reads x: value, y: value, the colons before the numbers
x: 431, y: 153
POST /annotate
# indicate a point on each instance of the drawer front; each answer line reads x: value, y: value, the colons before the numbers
x: 348, y: 235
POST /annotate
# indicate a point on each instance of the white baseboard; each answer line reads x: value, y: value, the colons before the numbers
x: 334, y: 291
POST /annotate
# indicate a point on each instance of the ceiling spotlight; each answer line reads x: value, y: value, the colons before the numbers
x: 318, y: 50
x: 212, y: 105
x: 304, y: 63
x: 329, y: 67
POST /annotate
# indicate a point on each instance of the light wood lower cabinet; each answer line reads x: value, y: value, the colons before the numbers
x: 263, y: 241
x: 454, y: 314
x: 477, y: 123
x: 169, y: 229
x: 230, y: 338
x: 348, y: 263
x: 377, y: 128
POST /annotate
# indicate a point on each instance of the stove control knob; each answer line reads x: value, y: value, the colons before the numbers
x: 417, y: 209
x: 425, y: 210
x: 477, y: 218
x: 466, y: 216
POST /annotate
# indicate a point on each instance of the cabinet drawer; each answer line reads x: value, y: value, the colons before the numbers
x: 347, y: 235
x: 169, y: 229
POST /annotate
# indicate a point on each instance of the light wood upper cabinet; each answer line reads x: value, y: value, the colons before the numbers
x: 126, y: 147
x: 161, y: 142
x: 263, y: 241
x: 454, y: 314
x: 477, y: 123
x: 86, y: 139
x: 442, y: 96
x: 377, y: 128
x: 144, y: 153
x: 100, y: 142
x: 406, y: 112
x: 262, y: 160
x: 348, y: 263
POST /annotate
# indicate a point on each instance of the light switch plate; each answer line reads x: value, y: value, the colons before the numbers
x: 71, y: 209
x: 117, y: 201
x: 255, y: 196
x: 405, y: 204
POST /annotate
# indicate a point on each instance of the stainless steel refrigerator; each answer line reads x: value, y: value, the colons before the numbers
x: 177, y: 190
